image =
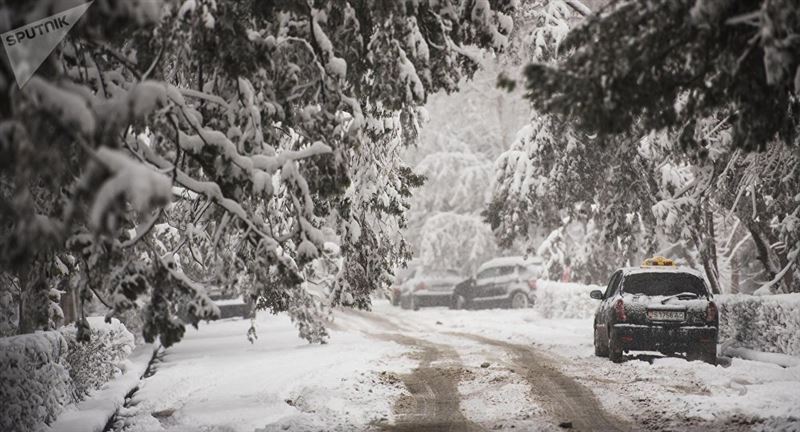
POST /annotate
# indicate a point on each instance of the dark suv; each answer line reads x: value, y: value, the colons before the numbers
x: 656, y: 307
x: 508, y: 282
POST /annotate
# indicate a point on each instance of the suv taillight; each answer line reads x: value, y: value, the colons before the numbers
x: 532, y: 284
x: 420, y: 286
x: 711, y: 312
x: 619, y: 310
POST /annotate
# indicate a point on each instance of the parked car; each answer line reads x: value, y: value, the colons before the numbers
x: 656, y: 307
x: 501, y: 282
x: 429, y: 288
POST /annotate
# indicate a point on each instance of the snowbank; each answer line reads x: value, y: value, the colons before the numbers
x: 35, y: 380
x: 782, y: 360
x: 215, y: 380
x: 94, y: 413
x: 762, y: 323
x: 565, y: 300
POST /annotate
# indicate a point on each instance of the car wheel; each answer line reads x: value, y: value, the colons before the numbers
x: 414, y: 303
x: 458, y: 302
x: 614, y: 350
x: 600, y: 349
x: 519, y: 300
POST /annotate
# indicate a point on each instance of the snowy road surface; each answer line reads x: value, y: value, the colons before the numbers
x: 442, y: 370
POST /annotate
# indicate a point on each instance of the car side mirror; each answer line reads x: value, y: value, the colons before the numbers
x: 596, y: 294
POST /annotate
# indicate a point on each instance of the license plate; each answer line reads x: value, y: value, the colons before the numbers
x: 662, y: 315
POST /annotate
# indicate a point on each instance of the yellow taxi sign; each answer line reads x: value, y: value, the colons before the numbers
x: 658, y: 261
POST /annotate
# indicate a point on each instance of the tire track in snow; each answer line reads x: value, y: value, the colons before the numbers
x: 434, y: 402
x: 563, y: 396
x: 434, y: 405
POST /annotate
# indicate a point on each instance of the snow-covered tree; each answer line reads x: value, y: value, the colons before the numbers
x: 662, y: 63
x: 456, y: 241
x: 238, y: 128
x: 590, y: 204
x: 454, y: 181
x: 470, y: 129
x: 694, y: 69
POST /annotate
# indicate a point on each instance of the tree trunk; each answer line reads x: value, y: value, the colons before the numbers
x: 773, y: 263
x: 34, y: 304
x: 735, y: 274
x: 762, y: 249
x: 711, y: 272
x: 704, y: 241
x: 711, y: 241
x: 69, y: 304
x: 710, y: 255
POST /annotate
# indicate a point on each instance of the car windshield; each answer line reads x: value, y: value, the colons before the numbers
x: 663, y: 284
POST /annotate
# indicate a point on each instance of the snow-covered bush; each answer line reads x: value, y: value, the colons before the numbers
x: 35, y: 380
x: 94, y: 362
x: 763, y: 323
x: 9, y: 314
x: 565, y: 300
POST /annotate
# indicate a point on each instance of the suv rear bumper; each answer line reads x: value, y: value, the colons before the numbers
x: 429, y: 298
x: 632, y: 337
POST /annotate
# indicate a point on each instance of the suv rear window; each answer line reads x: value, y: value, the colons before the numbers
x: 663, y: 284
x: 505, y: 270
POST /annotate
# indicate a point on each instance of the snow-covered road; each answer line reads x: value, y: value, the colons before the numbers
x: 438, y: 369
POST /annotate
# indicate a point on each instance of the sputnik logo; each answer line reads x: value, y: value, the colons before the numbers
x: 28, y: 46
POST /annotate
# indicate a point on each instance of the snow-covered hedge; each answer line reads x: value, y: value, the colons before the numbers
x: 565, y: 300
x: 35, y: 380
x: 40, y: 373
x: 763, y: 323
x: 93, y: 363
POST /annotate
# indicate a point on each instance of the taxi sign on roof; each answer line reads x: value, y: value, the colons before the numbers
x: 658, y: 261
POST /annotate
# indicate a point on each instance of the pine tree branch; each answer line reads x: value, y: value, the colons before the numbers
x: 579, y: 7
x: 148, y: 226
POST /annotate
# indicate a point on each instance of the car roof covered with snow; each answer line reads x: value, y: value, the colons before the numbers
x: 661, y: 269
x: 510, y: 261
x: 436, y: 276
